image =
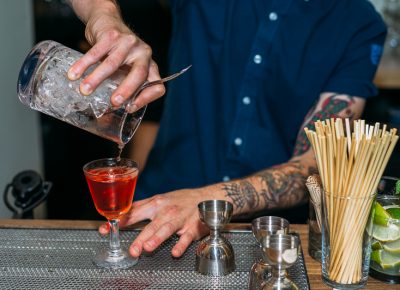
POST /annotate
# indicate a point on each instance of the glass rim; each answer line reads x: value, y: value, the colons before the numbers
x: 270, y: 220
x: 388, y: 177
x: 353, y: 197
x: 112, y: 162
x: 215, y: 205
x: 285, y: 237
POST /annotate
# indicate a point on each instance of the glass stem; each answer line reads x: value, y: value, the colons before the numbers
x: 279, y: 273
x: 115, y: 246
x: 214, y: 234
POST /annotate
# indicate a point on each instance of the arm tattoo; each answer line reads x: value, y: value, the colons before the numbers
x: 243, y: 194
x: 282, y: 186
x: 330, y: 108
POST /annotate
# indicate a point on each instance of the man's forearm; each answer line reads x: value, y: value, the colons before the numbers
x: 281, y: 186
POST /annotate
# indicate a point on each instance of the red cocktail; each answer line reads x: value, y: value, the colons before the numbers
x: 112, y: 189
x: 112, y: 185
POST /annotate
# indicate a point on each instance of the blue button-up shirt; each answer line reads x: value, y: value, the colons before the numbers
x: 258, y: 68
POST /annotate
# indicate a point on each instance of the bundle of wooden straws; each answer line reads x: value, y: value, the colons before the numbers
x: 350, y: 164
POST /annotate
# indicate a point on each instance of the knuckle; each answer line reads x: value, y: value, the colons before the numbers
x: 112, y: 63
x: 159, y: 90
x: 157, y: 240
x: 94, y: 52
x: 154, y: 65
x: 112, y: 34
x: 169, y: 227
x: 131, y: 39
x: 158, y: 200
x: 189, y: 236
x: 141, y: 71
x: 152, y: 227
x: 147, y: 51
x: 173, y: 210
x: 89, y: 35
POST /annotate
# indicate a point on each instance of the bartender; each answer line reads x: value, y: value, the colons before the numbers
x: 232, y: 127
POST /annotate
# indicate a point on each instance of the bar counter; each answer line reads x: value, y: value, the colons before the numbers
x: 313, y: 267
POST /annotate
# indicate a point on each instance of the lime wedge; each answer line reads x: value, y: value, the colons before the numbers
x: 386, y: 233
x: 381, y: 216
x: 393, y: 247
x: 398, y: 187
x: 394, y: 212
x: 384, y: 259
x: 376, y: 256
x: 376, y: 245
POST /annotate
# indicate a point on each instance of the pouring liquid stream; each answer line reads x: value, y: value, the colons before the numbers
x: 120, y: 148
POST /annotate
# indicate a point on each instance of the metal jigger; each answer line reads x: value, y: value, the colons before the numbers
x: 281, y: 252
x: 262, y: 227
x: 214, y: 255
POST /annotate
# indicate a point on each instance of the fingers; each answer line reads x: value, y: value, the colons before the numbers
x: 104, y: 229
x: 152, y: 236
x: 149, y: 94
x: 132, y: 81
x: 135, y: 214
x: 95, y: 54
x: 195, y: 232
x: 104, y: 70
x: 138, y: 212
x: 184, y: 241
x: 121, y: 49
x: 168, y: 217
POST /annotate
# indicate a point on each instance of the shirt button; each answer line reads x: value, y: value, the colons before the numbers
x: 257, y: 59
x: 246, y: 100
x: 273, y: 16
x: 238, y: 141
x: 226, y: 178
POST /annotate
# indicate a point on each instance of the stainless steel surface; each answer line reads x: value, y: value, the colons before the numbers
x: 61, y: 259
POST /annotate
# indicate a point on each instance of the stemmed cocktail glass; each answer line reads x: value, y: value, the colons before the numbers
x: 262, y: 227
x: 280, y: 252
x: 112, y: 184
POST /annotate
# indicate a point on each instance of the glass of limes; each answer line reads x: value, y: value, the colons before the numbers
x: 385, y: 254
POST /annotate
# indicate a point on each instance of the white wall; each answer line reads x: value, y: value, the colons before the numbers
x: 19, y: 125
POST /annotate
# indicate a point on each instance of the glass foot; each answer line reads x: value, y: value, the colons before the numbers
x: 259, y: 273
x: 342, y: 286
x: 108, y: 260
x: 280, y: 284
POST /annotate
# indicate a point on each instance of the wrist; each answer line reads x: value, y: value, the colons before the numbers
x: 104, y: 19
x: 86, y: 10
x: 218, y: 192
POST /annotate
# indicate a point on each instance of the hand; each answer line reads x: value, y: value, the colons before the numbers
x: 115, y: 44
x: 174, y: 212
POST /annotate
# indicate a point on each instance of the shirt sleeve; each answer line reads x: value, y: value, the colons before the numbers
x: 354, y: 74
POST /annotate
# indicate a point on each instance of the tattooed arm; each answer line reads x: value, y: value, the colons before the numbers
x: 281, y: 186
